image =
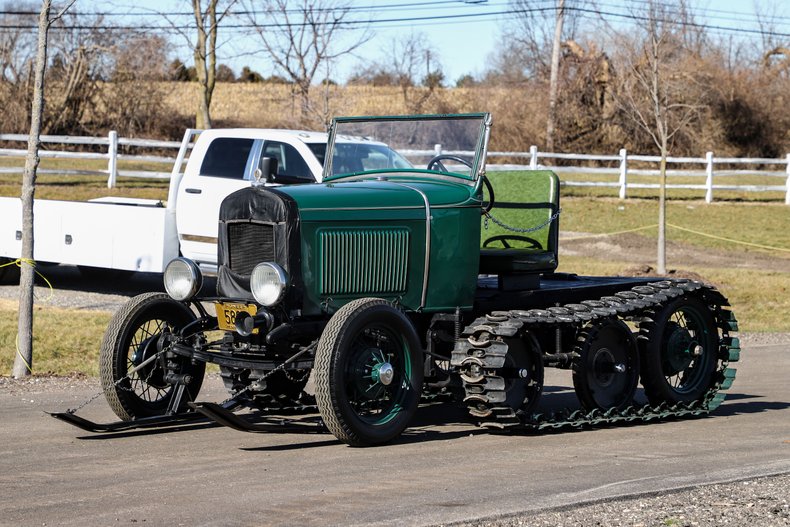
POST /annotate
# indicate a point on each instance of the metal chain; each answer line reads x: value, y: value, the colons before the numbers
x: 504, y: 225
x: 116, y: 384
x: 272, y: 372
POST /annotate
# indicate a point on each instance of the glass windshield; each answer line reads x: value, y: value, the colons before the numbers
x: 351, y: 157
x: 453, y: 145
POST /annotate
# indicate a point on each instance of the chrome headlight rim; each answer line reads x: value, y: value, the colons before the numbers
x: 282, y: 283
x: 195, y: 278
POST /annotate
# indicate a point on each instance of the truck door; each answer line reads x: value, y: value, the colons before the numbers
x: 227, y: 166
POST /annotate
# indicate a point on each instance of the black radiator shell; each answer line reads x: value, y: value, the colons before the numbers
x: 264, y: 206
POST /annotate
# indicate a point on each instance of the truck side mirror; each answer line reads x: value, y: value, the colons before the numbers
x: 266, y: 171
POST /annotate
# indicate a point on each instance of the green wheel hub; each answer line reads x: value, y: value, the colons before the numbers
x: 687, y: 348
x: 379, y: 365
x: 681, y: 348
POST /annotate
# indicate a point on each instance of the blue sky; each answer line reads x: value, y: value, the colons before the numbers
x: 464, y: 45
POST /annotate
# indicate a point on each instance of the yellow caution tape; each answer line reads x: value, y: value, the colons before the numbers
x: 609, y: 233
x: 18, y: 352
x: 722, y: 238
x: 32, y: 263
x: 27, y: 261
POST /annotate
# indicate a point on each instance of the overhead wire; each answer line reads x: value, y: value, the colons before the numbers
x: 429, y: 18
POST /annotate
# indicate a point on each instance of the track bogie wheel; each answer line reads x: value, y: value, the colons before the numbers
x: 130, y: 339
x: 368, y: 372
x: 524, y: 384
x: 679, y: 349
x: 607, y: 371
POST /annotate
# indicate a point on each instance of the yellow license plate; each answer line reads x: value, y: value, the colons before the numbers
x: 228, y: 311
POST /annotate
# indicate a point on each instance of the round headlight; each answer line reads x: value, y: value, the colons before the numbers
x: 183, y: 279
x: 268, y: 282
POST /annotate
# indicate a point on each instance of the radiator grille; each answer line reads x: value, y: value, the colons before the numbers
x: 364, y: 261
x: 250, y: 244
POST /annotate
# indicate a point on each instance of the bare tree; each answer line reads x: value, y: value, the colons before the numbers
x: 412, y: 64
x: 302, y: 36
x: 133, y: 99
x: 78, y: 48
x: 530, y: 34
x: 207, y: 19
x: 658, y: 91
x: 23, y: 361
x: 535, y: 39
x: 17, y: 55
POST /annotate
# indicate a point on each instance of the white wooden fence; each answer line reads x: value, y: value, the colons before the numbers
x: 617, y: 166
x: 111, y: 156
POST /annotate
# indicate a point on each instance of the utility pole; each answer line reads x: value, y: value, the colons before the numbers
x: 553, y: 81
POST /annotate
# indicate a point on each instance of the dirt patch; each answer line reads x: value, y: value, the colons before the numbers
x: 641, y: 250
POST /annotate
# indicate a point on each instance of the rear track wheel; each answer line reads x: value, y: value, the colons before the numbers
x: 679, y: 352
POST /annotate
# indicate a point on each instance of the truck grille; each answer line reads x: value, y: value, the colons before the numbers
x: 249, y: 245
x: 363, y: 261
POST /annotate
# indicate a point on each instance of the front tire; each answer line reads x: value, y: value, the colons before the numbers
x: 368, y: 372
x: 130, y: 339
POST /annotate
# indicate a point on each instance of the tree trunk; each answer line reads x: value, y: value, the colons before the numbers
x: 304, y: 103
x: 205, y: 57
x: 554, y: 80
x: 662, y: 212
x: 23, y: 361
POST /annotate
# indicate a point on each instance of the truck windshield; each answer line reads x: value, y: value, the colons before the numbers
x: 358, y: 156
x: 453, y: 145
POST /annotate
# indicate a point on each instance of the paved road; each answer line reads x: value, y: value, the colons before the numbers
x: 53, y: 474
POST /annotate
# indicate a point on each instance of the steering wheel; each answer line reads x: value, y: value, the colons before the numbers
x: 504, y: 238
x: 436, y: 162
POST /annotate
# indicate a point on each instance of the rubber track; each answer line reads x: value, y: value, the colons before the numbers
x: 635, y: 304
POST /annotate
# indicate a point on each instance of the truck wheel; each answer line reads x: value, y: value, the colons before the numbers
x: 679, y: 349
x: 368, y: 372
x: 130, y: 339
x: 9, y: 271
x: 607, y: 371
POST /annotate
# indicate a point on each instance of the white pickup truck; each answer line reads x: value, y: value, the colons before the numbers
x: 144, y: 235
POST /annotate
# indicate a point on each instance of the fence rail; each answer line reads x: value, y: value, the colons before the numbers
x: 621, y: 174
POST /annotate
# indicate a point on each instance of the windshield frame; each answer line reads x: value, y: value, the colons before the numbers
x: 478, y: 162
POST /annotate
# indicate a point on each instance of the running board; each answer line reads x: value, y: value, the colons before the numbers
x: 120, y: 426
x: 223, y: 416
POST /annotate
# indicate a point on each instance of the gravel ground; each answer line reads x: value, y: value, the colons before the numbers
x: 761, y: 502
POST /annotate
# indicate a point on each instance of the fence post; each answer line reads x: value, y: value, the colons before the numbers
x: 787, y: 183
x: 112, y: 154
x: 623, y: 172
x: 533, y: 157
x: 709, y: 178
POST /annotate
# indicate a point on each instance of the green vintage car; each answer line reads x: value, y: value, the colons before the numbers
x: 397, y: 280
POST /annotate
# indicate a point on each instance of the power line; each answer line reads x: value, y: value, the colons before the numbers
x: 352, y: 8
x: 405, y: 20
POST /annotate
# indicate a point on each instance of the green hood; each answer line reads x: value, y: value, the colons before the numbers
x: 400, y: 193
